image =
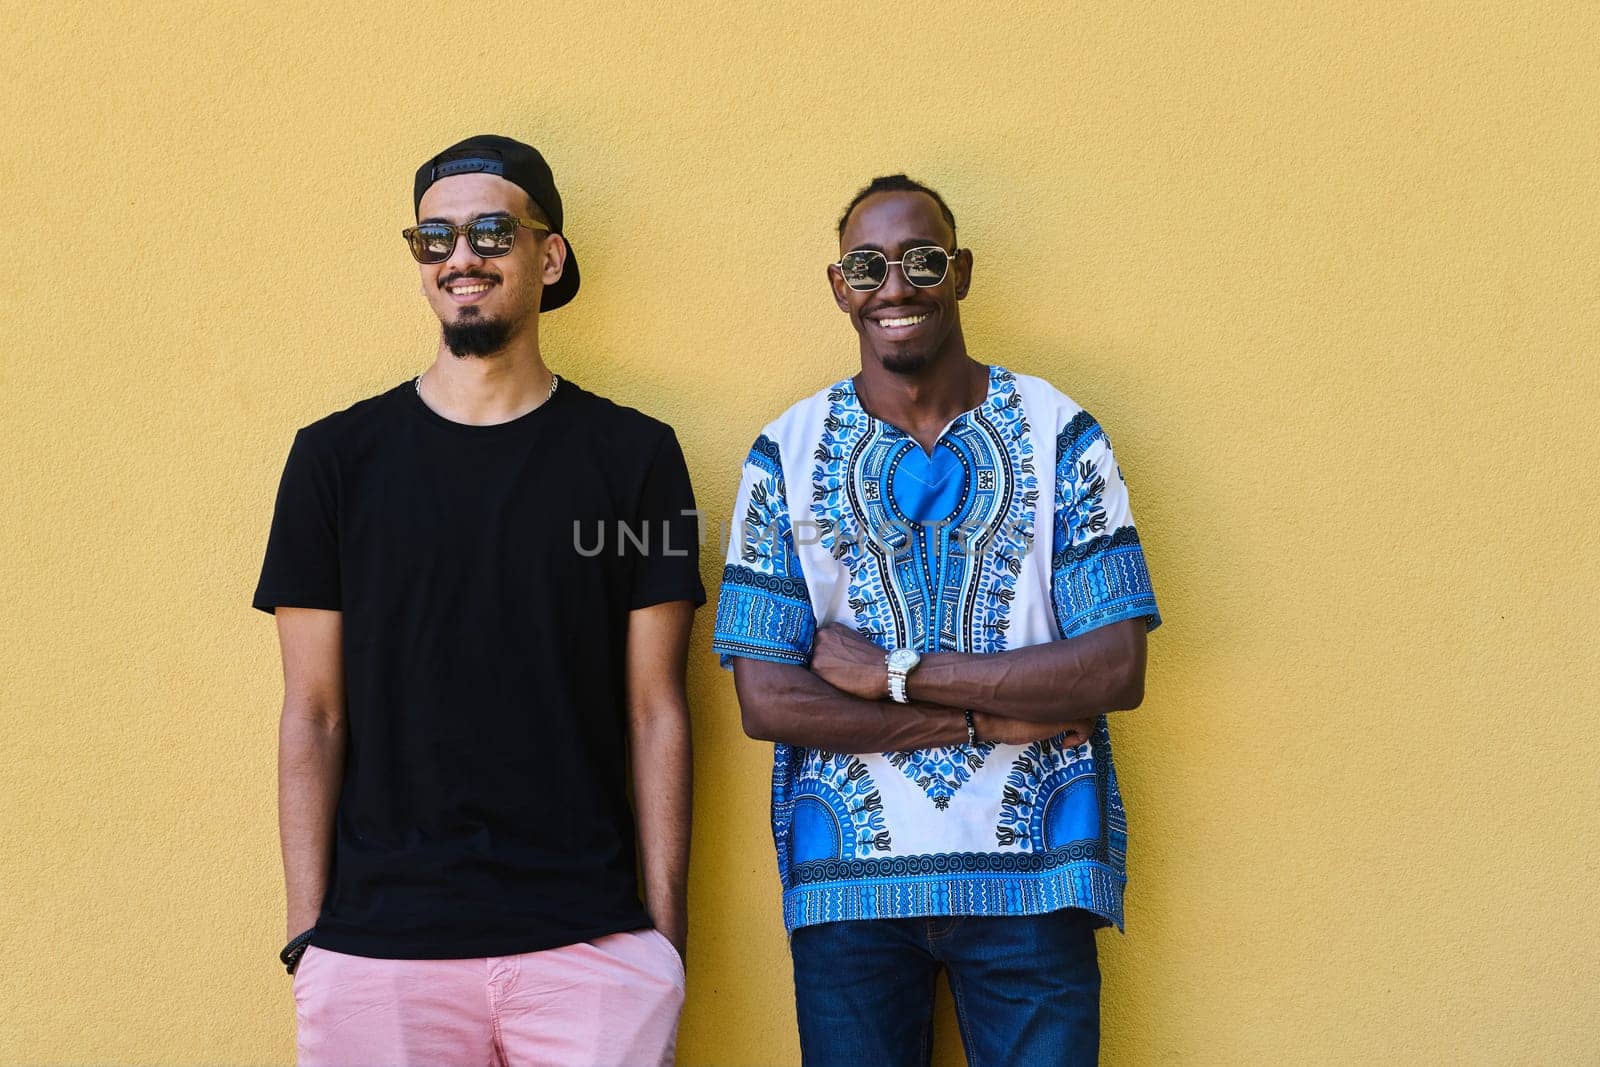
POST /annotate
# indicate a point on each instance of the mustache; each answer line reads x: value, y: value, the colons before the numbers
x: 913, y: 306
x: 451, y: 279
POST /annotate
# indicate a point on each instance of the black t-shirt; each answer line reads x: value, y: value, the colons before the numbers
x: 485, y: 575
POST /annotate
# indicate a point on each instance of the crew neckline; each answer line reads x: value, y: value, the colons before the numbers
x: 413, y: 400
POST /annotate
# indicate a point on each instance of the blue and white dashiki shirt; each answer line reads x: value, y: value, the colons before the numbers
x: 1016, y: 531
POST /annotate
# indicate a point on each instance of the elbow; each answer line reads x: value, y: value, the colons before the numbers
x: 1126, y: 689
x: 312, y: 715
x: 1130, y: 693
x: 759, y: 687
x: 756, y: 714
x: 756, y: 727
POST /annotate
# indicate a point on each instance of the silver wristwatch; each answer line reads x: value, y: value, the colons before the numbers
x: 901, y: 662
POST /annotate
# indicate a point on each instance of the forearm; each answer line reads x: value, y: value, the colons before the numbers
x: 792, y: 705
x: 662, y: 759
x: 310, y: 775
x: 1077, y: 678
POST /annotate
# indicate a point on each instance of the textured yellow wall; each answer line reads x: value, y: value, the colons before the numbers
x: 1328, y: 277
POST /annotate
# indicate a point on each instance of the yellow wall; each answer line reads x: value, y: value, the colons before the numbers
x: 1329, y: 278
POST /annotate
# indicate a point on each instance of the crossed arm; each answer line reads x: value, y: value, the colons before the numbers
x: 1027, y: 694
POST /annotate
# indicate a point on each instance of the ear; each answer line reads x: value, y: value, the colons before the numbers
x: 963, y: 269
x: 840, y: 289
x: 553, y: 258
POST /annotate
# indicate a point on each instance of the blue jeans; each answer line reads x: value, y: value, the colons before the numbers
x: 1026, y: 988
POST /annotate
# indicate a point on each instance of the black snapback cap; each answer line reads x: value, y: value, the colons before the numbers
x: 521, y: 165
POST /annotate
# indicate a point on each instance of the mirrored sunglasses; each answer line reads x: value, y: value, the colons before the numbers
x: 924, y: 267
x: 433, y: 242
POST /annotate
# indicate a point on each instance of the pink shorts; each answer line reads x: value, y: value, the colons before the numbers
x: 611, y: 1001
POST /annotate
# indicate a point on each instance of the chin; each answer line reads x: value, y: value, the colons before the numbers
x: 476, y: 336
x: 904, y: 362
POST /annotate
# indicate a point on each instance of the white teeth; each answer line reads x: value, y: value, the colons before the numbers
x: 912, y: 321
x: 468, y: 290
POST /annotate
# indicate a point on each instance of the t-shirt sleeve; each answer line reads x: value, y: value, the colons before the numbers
x: 666, y: 564
x: 1098, y: 573
x: 764, y: 610
x: 301, y: 569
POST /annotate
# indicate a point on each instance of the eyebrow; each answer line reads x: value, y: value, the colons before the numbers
x: 911, y: 242
x: 475, y: 218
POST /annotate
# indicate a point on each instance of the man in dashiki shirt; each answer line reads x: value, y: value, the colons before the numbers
x: 934, y: 594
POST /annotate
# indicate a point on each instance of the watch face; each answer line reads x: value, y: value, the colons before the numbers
x: 903, y: 659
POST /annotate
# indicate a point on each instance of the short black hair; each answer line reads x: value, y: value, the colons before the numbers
x: 896, y: 183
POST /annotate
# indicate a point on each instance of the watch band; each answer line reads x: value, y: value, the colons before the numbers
x: 900, y: 662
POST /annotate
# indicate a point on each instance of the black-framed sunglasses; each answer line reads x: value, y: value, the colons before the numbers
x: 924, y: 267
x: 433, y: 242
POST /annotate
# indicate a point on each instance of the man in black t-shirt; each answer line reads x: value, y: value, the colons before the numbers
x: 484, y: 580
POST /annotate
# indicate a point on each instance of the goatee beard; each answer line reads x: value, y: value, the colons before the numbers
x: 905, y: 362
x: 476, y: 337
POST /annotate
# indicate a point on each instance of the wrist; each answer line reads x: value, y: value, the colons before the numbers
x: 291, y: 953
x: 299, y: 920
x: 939, y: 679
x: 667, y: 909
x: 899, y: 663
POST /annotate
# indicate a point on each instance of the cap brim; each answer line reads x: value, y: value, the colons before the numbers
x: 565, y: 287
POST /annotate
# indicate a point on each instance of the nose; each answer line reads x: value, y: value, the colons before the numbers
x: 462, y: 257
x: 895, y: 287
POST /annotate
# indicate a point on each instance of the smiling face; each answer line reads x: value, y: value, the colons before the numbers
x: 481, y: 302
x: 902, y: 327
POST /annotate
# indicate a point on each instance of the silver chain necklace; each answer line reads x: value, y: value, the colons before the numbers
x: 555, y: 380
